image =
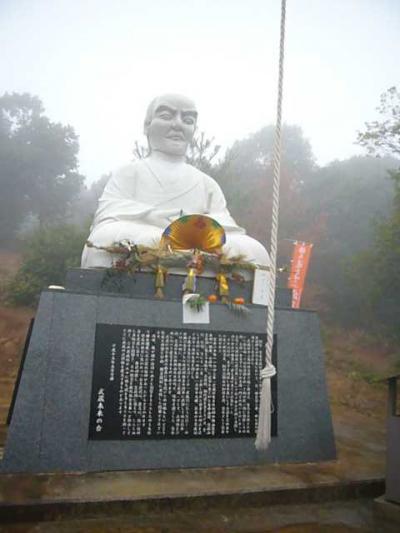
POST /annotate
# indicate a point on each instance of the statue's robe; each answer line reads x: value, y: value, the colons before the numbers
x: 143, y: 198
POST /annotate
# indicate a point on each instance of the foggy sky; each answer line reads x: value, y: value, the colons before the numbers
x: 95, y: 64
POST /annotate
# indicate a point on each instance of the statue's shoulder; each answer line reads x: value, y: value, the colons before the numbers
x: 123, y: 179
x: 208, y: 181
x: 126, y: 173
x: 129, y: 169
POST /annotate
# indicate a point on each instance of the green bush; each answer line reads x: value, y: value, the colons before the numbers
x: 47, y: 254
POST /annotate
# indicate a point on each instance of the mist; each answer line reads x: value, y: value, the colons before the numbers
x: 96, y: 65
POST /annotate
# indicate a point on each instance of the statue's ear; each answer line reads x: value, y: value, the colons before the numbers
x: 148, y: 144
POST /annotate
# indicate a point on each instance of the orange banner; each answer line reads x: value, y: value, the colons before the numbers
x: 298, y: 270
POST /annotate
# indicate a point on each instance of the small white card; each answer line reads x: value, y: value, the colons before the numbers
x: 193, y: 316
x: 261, y: 286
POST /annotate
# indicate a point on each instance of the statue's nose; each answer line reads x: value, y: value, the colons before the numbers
x: 177, y: 122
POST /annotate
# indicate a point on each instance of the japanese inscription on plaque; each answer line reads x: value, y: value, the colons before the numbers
x: 175, y: 383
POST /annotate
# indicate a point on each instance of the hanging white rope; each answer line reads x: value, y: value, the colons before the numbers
x: 264, y: 417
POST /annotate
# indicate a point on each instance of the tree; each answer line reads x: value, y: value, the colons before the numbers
x: 47, y: 254
x: 246, y: 175
x: 85, y: 206
x: 202, y: 152
x: 330, y: 206
x: 39, y: 164
x: 383, y: 137
x: 382, y: 280
x: 341, y: 202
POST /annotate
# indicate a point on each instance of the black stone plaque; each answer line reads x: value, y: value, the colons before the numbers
x: 151, y: 383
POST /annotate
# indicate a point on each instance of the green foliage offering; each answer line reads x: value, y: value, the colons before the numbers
x: 47, y: 255
x: 39, y: 164
x: 196, y: 302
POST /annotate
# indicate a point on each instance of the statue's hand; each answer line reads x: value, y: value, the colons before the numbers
x: 163, y: 217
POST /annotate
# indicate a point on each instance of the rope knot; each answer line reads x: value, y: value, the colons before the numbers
x: 268, y: 371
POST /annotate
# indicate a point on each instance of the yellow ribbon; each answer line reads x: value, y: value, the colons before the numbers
x: 190, y: 281
x: 160, y: 281
x: 223, y: 286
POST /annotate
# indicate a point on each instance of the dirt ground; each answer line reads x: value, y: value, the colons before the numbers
x: 9, y: 263
x: 14, y: 323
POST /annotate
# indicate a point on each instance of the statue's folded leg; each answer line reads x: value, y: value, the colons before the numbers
x: 117, y: 231
x: 252, y: 250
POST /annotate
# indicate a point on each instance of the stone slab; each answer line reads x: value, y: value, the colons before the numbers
x: 49, y: 427
x: 142, y: 284
x: 387, y: 515
x: 29, y: 404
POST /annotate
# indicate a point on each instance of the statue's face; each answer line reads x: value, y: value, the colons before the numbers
x: 172, y: 125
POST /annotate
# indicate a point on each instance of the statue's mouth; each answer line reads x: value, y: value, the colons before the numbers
x: 176, y: 137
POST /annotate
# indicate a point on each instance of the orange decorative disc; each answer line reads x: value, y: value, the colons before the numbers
x: 197, y: 232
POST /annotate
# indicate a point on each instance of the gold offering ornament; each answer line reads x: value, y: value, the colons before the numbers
x: 198, y: 233
x: 194, y: 232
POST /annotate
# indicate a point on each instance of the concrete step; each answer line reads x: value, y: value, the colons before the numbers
x: 355, y: 516
x: 53, y: 496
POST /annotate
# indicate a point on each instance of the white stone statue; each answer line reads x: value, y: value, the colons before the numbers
x: 142, y: 198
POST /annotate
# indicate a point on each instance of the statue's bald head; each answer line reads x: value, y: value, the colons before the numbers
x: 170, y: 124
x: 168, y: 97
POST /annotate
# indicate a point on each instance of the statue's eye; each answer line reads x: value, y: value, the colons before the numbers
x: 188, y: 120
x: 165, y: 115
